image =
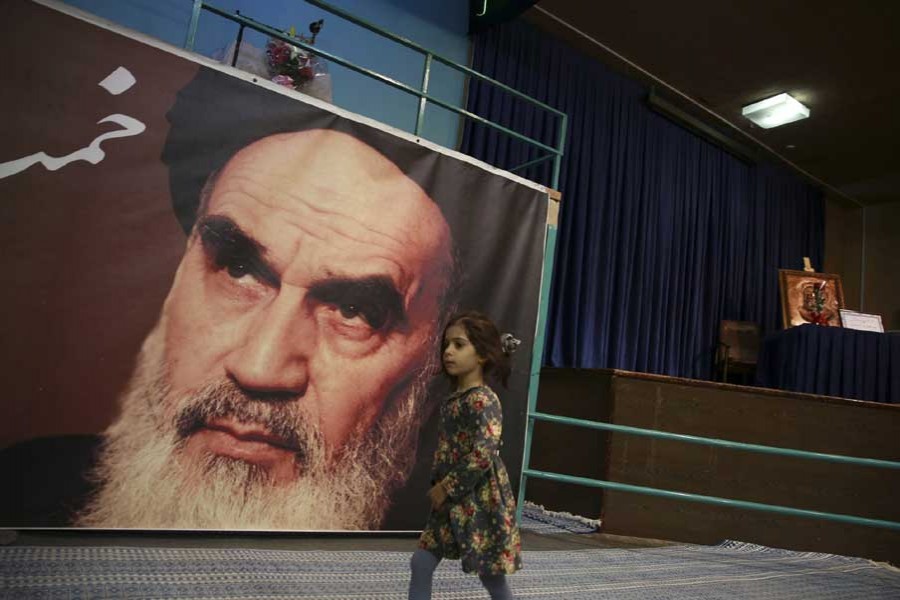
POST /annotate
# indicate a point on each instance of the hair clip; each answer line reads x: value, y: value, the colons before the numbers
x: 509, y: 343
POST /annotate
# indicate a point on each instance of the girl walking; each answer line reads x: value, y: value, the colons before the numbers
x: 473, y: 510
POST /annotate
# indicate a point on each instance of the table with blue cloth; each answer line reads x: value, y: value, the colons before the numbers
x: 832, y: 361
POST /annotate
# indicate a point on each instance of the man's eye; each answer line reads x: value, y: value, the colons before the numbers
x: 237, y: 269
x: 348, y: 311
x: 375, y: 317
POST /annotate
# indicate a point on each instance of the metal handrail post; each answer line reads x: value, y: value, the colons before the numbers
x: 561, y: 143
x: 193, y: 24
x: 426, y: 74
x: 538, y: 353
x: 238, y: 41
x: 537, y: 359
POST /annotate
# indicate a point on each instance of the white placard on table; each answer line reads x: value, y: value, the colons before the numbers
x: 850, y: 319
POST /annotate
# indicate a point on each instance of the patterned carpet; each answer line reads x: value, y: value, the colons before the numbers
x: 729, y: 571
x: 537, y: 519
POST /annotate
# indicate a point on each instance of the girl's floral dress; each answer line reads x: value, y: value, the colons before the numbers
x: 477, y: 523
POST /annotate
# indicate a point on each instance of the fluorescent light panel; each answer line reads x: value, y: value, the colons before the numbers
x: 775, y: 111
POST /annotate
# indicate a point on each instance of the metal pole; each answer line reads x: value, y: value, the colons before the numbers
x: 237, y: 44
x: 192, y: 26
x: 426, y: 74
x: 537, y: 359
x: 533, y: 162
x: 696, y: 439
x: 773, y: 508
x: 560, y: 145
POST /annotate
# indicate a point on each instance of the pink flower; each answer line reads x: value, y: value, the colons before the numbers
x: 278, y: 54
x: 284, y: 80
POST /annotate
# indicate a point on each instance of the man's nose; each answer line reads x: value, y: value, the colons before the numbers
x: 273, y: 351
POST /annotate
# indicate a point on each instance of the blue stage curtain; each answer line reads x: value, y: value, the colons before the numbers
x: 864, y: 365
x: 662, y: 234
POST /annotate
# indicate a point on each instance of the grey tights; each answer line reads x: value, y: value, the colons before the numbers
x: 423, y: 564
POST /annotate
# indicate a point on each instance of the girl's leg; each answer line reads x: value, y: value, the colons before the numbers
x: 423, y: 563
x: 497, y: 586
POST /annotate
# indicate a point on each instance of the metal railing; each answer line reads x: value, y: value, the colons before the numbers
x: 693, y: 439
x: 554, y: 153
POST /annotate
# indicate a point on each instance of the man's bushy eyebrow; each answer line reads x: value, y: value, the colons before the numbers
x: 376, y: 292
x: 376, y: 296
x: 227, y: 244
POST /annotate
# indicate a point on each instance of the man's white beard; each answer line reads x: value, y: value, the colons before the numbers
x: 145, y: 481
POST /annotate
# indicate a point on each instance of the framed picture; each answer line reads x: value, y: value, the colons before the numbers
x: 808, y: 297
x: 861, y: 321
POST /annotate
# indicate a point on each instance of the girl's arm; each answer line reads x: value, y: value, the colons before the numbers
x: 486, y: 425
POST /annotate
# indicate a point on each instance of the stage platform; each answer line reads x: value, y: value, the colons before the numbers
x: 737, y: 413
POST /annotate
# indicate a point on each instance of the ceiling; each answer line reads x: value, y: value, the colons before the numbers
x: 841, y: 59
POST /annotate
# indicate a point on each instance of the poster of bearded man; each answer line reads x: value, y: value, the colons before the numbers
x: 228, y: 296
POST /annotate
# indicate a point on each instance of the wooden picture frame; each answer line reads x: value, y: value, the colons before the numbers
x: 801, y: 291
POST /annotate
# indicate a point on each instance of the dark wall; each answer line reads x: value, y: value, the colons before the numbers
x: 843, y: 246
x: 882, y: 274
x: 581, y: 394
x: 845, y: 238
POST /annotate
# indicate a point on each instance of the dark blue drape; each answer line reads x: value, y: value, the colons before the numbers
x: 661, y: 233
x: 864, y: 365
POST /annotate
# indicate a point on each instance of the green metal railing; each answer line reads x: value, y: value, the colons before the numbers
x: 554, y: 153
x: 624, y: 487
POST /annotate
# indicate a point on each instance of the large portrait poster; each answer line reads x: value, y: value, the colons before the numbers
x: 223, y: 301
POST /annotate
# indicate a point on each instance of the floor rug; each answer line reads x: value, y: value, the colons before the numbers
x: 728, y: 571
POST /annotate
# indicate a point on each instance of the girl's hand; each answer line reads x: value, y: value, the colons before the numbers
x: 437, y: 495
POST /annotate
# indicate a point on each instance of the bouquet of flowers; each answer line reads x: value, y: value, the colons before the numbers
x: 290, y: 65
x: 819, y: 316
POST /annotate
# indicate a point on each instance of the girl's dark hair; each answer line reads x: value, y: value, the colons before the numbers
x: 485, y: 336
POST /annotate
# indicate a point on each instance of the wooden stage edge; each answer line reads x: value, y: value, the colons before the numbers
x: 725, y: 411
x: 747, y: 388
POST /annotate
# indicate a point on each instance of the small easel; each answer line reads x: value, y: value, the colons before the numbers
x: 807, y: 266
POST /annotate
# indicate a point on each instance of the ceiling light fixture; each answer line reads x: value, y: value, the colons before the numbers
x: 775, y: 111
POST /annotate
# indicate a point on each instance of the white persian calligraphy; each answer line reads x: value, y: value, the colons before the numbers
x: 118, y: 81
x: 115, y: 83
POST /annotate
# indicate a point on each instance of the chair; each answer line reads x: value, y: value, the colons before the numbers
x: 738, y: 348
